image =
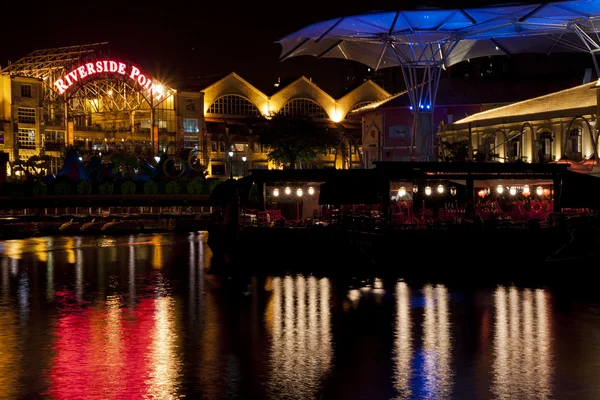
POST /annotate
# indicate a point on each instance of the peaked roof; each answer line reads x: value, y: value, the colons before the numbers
x: 368, y: 82
x: 573, y: 98
x: 236, y: 76
x: 310, y: 83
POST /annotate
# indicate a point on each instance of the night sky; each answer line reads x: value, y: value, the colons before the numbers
x: 181, y: 40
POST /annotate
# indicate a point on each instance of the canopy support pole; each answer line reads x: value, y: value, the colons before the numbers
x: 421, y: 66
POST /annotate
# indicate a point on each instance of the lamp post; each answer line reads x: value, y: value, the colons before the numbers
x: 230, y: 164
x: 244, y: 159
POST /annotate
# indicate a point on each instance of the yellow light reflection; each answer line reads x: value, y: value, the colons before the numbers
x: 522, y: 366
x: 402, y: 342
x: 13, y: 249
x: 436, y: 343
x: 301, y: 349
x: 157, y: 253
x: 69, y: 246
x: 40, y: 247
x: 166, y: 374
x: 131, y: 275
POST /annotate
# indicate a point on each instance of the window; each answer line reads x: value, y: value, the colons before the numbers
x: 217, y: 169
x: 233, y: 105
x: 190, y: 104
x: 26, y: 115
x: 302, y: 107
x: 575, y: 144
x: 26, y: 138
x: 514, y: 146
x: 545, y: 146
x: 213, y: 146
x: 222, y: 146
x: 189, y: 142
x: 1, y: 137
x: 25, y: 90
x: 190, y: 125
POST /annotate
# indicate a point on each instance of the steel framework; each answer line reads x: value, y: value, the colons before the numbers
x: 423, y: 42
x: 103, y: 94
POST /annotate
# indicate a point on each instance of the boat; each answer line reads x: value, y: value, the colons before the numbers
x: 71, y: 226
x: 94, y: 226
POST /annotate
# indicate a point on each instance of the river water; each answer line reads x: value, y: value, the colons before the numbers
x: 144, y: 317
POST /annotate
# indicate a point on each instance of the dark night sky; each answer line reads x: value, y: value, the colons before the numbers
x: 187, y: 40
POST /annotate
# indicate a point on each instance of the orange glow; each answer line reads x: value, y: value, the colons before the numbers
x: 78, y: 74
x: 481, y: 193
x: 157, y: 253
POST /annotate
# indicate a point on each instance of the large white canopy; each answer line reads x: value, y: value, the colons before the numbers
x: 449, y: 36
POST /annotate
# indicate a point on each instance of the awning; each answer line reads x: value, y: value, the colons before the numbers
x: 351, y: 126
x: 580, y: 190
x: 217, y: 120
x: 230, y: 121
x: 348, y: 190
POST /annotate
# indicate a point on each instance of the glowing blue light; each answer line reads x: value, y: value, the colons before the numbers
x: 428, y: 106
x: 420, y: 105
x: 411, y: 107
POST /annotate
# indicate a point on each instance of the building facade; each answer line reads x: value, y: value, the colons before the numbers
x: 557, y: 127
x: 231, y: 101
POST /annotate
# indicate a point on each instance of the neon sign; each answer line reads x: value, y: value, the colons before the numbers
x: 108, y: 67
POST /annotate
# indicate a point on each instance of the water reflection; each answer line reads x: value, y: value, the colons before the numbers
x: 10, y: 340
x: 402, y: 343
x: 522, y: 365
x: 436, y: 373
x: 301, y: 349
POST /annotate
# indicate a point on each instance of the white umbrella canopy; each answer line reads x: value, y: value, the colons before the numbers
x: 449, y: 36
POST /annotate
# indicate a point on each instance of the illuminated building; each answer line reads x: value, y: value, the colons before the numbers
x: 86, y: 97
x: 231, y: 101
x: 557, y: 126
x: 83, y: 96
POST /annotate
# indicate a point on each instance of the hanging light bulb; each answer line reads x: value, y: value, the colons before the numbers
x: 311, y: 190
x: 276, y: 192
x: 402, y: 191
x: 427, y: 190
x: 512, y: 190
x: 500, y: 189
x: 453, y: 191
x: 299, y: 192
x: 288, y: 190
x: 526, y: 189
x: 415, y: 188
x: 539, y: 190
x: 440, y: 189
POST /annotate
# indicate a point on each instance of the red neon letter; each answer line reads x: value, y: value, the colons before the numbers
x: 141, y: 80
x: 72, y: 74
x: 90, y: 68
x: 134, y: 72
x: 99, y: 66
x: 105, y: 69
x: 82, y: 73
x: 113, y: 66
x: 121, y: 68
x: 60, y: 86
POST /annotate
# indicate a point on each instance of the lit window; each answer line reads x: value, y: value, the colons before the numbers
x: 233, y: 105
x: 26, y: 115
x: 190, y: 125
x: 26, y: 138
x: 303, y: 107
x: 25, y: 90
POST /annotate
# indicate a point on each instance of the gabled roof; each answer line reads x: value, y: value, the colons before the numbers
x: 236, y: 76
x: 573, y: 98
x: 379, y: 104
x: 309, y: 82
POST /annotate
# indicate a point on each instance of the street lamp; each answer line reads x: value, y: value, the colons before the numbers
x: 230, y: 164
x: 244, y: 158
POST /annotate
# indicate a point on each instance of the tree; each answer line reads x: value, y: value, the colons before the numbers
x: 293, y: 139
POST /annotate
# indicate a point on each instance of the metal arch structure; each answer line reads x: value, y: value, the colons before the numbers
x: 423, y: 42
x: 106, y: 92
